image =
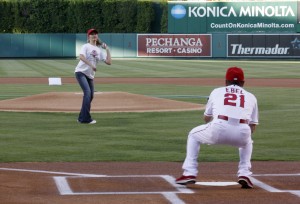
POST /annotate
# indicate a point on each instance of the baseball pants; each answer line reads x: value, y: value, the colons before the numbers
x: 219, y: 132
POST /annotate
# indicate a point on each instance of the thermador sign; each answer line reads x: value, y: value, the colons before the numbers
x: 263, y: 45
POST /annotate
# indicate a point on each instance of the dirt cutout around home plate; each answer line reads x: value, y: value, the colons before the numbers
x: 102, y: 102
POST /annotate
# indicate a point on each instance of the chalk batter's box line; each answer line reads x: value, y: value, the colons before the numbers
x: 65, y: 189
x: 63, y: 184
x: 271, y: 189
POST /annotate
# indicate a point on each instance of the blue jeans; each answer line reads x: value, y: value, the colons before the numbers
x: 87, y: 86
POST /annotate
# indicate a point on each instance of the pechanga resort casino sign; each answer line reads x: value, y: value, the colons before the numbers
x: 165, y: 45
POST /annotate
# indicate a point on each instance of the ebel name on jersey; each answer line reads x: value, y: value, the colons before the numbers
x: 239, y: 49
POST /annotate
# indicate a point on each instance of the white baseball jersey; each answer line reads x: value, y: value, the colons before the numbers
x: 232, y: 101
x: 94, y: 55
x: 235, y: 103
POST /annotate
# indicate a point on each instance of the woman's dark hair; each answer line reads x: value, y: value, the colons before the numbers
x: 98, y: 43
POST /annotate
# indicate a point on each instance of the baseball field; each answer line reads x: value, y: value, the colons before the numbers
x: 144, y: 110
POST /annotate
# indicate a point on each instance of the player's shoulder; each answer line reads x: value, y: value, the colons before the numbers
x: 216, y: 90
x: 246, y: 91
x: 250, y: 95
x: 219, y: 89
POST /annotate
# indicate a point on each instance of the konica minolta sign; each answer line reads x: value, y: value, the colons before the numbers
x: 204, y: 17
x: 263, y: 45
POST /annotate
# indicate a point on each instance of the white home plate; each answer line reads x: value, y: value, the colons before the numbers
x: 216, y: 183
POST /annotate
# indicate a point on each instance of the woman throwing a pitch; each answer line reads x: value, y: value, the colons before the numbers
x: 90, y: 55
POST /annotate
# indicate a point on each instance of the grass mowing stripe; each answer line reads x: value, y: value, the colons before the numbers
x: 134, y: 136
x: 152, y: 68
x: 178, y: 96
x: 143, y: 136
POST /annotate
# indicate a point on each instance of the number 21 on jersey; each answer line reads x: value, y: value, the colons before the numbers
x: 232, y: 99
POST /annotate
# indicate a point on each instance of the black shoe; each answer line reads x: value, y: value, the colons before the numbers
x: 184, y: 180
x: 245, y: 182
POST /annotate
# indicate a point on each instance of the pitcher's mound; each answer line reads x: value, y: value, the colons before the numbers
x: 102, y: 102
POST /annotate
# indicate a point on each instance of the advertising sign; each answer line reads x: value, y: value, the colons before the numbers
x: 248, y: 16
x: 298, y: 17
x: 263, y: 45
x: 181, y: 45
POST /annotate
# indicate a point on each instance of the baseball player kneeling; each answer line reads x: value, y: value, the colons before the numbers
x: 231, y: 116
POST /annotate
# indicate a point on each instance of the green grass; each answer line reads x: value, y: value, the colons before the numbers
x: 143, y: 136
x: 152, y: 68
x: 116, y: 137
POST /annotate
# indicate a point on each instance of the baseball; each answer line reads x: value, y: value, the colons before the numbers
x: 103, y: 45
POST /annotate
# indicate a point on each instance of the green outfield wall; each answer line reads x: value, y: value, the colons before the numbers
x: 37, y: 45
x: 61, y: 45
x: 216, y: 45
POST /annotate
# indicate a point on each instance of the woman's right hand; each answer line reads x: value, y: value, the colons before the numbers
x: 103, y: 45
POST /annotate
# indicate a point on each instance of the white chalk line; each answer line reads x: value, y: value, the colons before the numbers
x: 276, y: 175
x: 52, y: 172
x: 65, y: 189
x: 264, y: 186
x: 225, y: 183
x: 173, y: 198
x: 297, y: 193
x: 271, y: 189
x: 62, y: 185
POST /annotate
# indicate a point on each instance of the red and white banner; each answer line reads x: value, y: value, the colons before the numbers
x: 173, y: 45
